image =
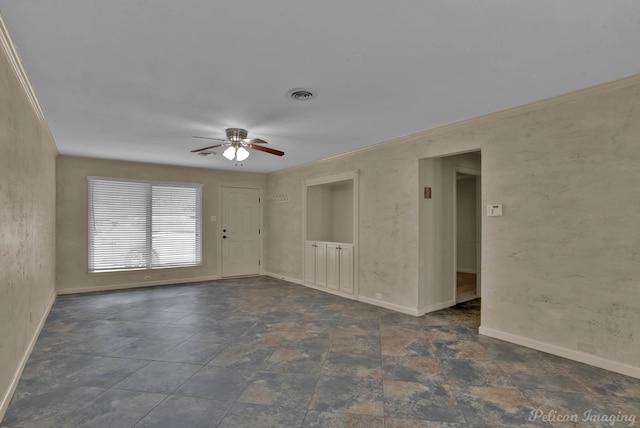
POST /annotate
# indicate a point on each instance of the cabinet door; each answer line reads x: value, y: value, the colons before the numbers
x: 321, y: 264
x: 310, y: 263
x: 333, y: 270
x: 346, y: 268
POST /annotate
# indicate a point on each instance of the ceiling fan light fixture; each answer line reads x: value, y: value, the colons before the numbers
x: 229, y: 153
x: 242, y: 154
x: 236, y: 146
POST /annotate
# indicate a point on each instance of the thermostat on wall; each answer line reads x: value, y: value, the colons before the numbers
x: 494, y: 210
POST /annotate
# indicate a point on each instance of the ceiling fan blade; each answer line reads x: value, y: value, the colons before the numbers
x: 209, y: 138
x: 255, y: 141
x: 267, y: 150
x: 206, y: 148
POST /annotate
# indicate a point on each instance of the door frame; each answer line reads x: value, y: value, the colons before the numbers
x: 219, y: 226
x: 477, y: 173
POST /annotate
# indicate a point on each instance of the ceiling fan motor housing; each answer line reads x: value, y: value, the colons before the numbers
x: 236, y: 134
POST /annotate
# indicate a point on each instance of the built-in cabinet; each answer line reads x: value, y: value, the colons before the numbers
x: 330, y: 225
x: 330, y: 265
x: 340, y: 267
x: 315, y: 264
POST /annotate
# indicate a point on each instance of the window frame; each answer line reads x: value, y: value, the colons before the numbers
x: 148, y: 223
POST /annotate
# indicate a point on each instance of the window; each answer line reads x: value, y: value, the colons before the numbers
x: 136, y: 224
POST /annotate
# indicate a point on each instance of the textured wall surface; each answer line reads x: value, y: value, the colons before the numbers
x: 560, y: 267
x: 27, y: 222
x: 72, y: 224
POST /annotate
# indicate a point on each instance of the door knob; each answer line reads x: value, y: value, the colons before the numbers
x: 224, y: 236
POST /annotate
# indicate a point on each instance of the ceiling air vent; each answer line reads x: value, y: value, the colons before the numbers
x: 301, y: 94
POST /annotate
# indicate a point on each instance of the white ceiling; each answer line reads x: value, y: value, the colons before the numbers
x: 136, y: 79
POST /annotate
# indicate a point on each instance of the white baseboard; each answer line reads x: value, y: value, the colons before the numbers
x: 473, y: 271
x: 436, y: 307
x: 6, y: 399
x: 111, y: 287
x: 583, y: 357
x: 284, y: 278
x: 375, y: 302
x: 330, y: 291
x: 389, y: 305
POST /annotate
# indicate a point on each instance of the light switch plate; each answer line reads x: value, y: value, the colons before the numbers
x: 494, y: 210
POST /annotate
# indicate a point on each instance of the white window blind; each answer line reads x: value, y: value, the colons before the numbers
x: 143, y: 224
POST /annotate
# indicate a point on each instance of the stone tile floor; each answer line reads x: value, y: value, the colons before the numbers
x: 259, y: 352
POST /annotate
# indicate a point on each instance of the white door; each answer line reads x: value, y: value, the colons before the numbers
x: 321, y: 264
x: 310, y: 263
x: 240, y: 231
x: 346, y: 268
x: 333, y: 263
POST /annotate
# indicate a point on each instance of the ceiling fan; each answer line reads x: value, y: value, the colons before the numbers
x: 237, y: 145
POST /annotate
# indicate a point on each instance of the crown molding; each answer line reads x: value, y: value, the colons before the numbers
x: 16, y: 64
x: 485, y: 118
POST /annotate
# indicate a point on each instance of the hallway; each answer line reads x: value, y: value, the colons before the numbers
x: 466, y: 287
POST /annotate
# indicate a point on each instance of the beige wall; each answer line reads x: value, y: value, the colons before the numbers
x: 560, y: 267
x: 72, y: 247
x: 27, y: 220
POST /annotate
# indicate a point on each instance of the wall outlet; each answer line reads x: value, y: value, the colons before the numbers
x: 147, y: 278
x: 378, y: 296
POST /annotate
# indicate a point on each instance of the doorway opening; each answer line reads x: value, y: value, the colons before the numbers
x: 467, y: 225
x: 446, y: 251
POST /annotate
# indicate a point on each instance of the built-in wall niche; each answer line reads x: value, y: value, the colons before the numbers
x: 331, y: 233
x: 330, y: 212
